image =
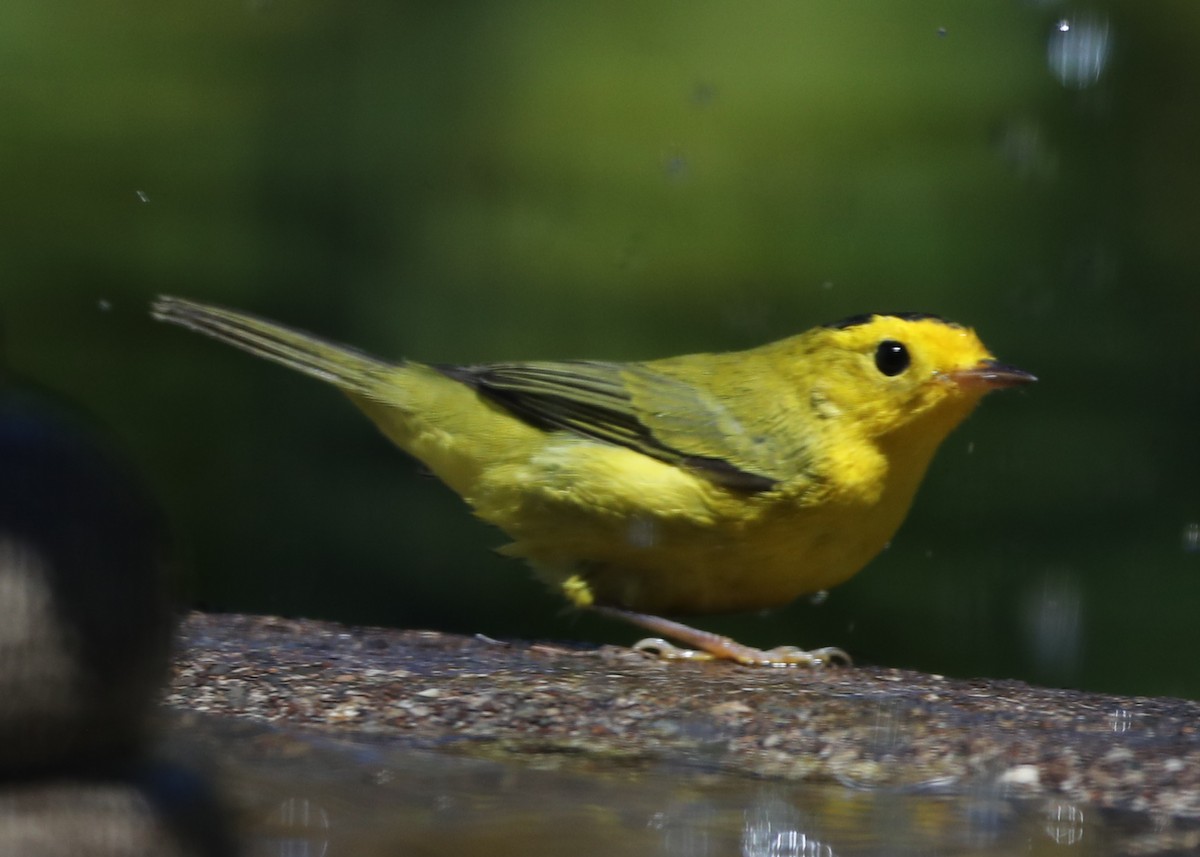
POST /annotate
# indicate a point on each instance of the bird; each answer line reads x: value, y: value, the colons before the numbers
x: 697, y: 484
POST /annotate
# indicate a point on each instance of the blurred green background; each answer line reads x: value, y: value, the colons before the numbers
x: 464, y: 182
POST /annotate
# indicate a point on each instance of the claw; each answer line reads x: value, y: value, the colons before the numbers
x: 712, y: 647
x: 659, y: 648
x: 795, y: 656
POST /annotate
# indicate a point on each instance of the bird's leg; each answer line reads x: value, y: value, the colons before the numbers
x: 712, y: 647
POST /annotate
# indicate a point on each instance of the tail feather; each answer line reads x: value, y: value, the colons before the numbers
x: 347, y: 368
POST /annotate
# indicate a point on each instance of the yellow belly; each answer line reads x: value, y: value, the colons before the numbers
x: 611, y: 527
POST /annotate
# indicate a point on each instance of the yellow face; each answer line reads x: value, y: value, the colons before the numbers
x: 887, y: 371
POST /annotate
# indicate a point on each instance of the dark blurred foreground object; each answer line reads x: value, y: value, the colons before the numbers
x: 85, y: 633
x: 85, y: 623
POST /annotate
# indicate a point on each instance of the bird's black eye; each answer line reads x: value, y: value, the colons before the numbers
x: 891, y: 357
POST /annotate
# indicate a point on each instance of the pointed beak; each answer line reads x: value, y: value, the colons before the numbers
x: 991, y: 375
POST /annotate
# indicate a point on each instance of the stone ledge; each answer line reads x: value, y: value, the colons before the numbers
x: 865, y: 727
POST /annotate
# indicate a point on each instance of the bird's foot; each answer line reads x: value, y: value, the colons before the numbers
x: 780, y: 656
x: 714, y: 647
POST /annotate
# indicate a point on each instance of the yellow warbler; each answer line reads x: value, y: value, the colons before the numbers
x: 696, y: 484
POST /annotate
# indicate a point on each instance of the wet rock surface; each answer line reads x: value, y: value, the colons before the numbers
x: 866, y: 727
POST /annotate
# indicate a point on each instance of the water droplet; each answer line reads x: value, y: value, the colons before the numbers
x: 1053, y: 614
x: 773, y: 828
x: 142, y: 196
x: 686, y: 829
x: 675, y: 165
x: 1078, y: 50
x: 1121, y: 720
x: 103, y: 305
x: 1024, y: 145
x: 1064, y: 823
x: 1191, y: 537
x: 703, y: 94
x: 304, y: 828
x: 888, y: 735
x: 642, y: 532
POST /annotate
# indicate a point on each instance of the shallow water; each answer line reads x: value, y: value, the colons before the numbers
x: 298, y: 795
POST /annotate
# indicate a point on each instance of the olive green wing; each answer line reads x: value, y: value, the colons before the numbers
x: 633, y: 406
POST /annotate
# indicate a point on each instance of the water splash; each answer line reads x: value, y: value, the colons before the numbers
x: 773, y: 828
x: 302, y: 829
x: 1078, y: 50
x: 1064, y: 823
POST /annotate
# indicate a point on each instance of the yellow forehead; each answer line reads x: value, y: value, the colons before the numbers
x: 934, y: 342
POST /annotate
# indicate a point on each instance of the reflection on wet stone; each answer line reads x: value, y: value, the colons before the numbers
x: 1064, y: 823
x: 774, y: 828
x: 686, y: 829
x: 302, y: 830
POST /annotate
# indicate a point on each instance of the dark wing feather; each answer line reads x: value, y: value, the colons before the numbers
x: 591, y: 399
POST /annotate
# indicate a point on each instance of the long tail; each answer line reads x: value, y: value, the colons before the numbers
x: 340, y: 365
